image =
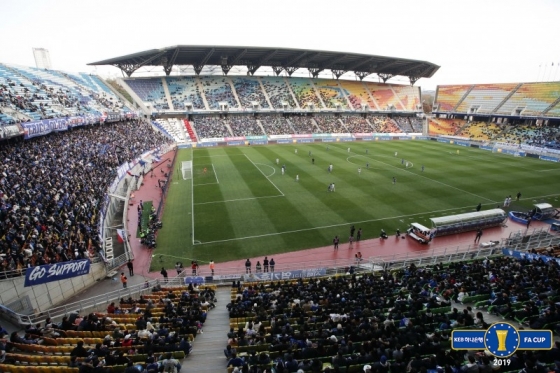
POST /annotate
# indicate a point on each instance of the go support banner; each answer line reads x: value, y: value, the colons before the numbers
x: 55, y: 272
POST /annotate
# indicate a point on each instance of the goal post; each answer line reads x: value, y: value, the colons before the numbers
x: 186, y: 170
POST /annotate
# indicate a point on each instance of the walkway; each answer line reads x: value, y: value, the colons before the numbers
x: 208, y: 348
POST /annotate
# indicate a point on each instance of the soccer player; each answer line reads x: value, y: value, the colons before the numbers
x: 297, y: 177
x: 394, y: 180
x: 396, y: 154
x: 330, y: 168
x: 422, y: 168
x: 367, y: 151
x: 457, y: 151
x: 348, y: 150
x: 333, y: 188
x: 310, y: 153
x: 283, y: 169
x: 367, y: 165
x: 204, y: 171
x: 359, y: 170
x: 296, y: 151
x: 277, y: 161
x: 327, y: 148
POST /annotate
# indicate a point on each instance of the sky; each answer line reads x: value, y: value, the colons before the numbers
x: 474, y: 41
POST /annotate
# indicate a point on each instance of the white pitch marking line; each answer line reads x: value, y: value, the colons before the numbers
x: 435, y: 181
x: 340, y: 225
x: 205, y: 184
x: 278, y: 189
x: 235, y: 200
x: 215, y: 174
x: 267, y: 165
x: 323, y: 227
x: 192, y: 199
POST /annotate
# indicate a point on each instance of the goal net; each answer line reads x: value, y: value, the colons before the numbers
x: 186, y: 169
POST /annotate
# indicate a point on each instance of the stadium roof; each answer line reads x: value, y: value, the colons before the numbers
x: 280, y: 59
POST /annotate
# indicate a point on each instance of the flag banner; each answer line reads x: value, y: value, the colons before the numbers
x: 54, y: 272
x: 120, y: 235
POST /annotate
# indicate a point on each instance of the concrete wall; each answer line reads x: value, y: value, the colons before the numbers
x: 47, y: 295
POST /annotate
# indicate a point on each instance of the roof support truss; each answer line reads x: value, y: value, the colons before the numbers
x: 129, y: 68
x: 362, y: 74
x: 198, y: 67
x: 168, y: 65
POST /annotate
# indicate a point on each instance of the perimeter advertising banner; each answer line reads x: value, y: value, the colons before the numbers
x: 54, y: 272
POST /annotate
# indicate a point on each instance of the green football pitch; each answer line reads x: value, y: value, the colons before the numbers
x: 239, y: 205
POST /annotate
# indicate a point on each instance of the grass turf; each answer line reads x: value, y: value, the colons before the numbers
x: 145, y: 217
x: 244, y: 207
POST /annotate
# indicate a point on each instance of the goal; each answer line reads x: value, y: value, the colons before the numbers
x: 186, y: 169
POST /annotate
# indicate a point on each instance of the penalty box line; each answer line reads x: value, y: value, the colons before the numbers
x: 278, y: 189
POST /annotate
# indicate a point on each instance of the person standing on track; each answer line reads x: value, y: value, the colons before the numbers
x: 335, y: 242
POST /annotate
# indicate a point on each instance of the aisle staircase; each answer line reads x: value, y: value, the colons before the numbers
x: 208, y: 350
x: 190, y: 130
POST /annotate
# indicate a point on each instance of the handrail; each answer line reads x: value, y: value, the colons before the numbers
x: 334, y: 267
x: 240, y: 268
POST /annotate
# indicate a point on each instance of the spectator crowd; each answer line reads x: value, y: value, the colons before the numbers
x: 397, y: 321
x: 52, y: 190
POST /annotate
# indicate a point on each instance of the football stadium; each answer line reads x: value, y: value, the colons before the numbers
x: 223, y: 208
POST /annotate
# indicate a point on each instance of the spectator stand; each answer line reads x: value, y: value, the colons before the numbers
x: 275, y: 124
x: 157, y: 320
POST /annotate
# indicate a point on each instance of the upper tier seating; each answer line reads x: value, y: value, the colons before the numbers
x: 28, y: 93
x: 249, y: 90
x: 305, y: 93
x: 486, y: 96
x: 408, y: 95
x: 384, y: 96
x: 278, y: 92
x: 533, y: 97
x: 217, y: 89
x: 358, y: 94
x: 184, y: 89
x: 447, y: 96
x: 331, y: 94
x: 440, y: 126
x: 150, y: 91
